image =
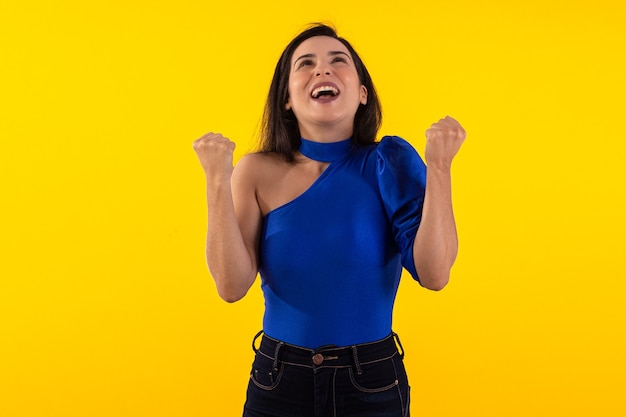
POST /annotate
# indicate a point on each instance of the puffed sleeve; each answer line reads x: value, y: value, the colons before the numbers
x: 402, y: 181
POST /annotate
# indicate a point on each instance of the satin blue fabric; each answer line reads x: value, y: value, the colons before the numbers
x: 331, y: 259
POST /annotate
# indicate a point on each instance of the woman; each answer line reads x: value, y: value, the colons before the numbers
x: 328, y: 217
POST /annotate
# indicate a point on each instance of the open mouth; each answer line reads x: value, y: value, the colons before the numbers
x: 324, y: 91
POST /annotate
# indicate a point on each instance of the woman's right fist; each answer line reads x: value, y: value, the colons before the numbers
x: 216, y: 154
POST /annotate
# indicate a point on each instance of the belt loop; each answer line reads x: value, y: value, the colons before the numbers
x: 254, y: 341
x: 278, y: 346
x: 357, y: 364
x: 395, y: 336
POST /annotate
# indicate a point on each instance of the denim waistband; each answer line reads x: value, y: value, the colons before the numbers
x: 329, y: 356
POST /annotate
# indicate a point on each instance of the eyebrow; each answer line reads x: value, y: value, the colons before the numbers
x: 330, y: 53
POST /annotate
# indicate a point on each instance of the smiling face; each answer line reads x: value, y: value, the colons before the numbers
x: 324, y: 87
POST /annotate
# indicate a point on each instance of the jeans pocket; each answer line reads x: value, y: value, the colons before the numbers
x: 375, y: 376
x: 263, y: 373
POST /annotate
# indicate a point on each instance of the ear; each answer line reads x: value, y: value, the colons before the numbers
x: 288, y: 105
x: 363, y: 95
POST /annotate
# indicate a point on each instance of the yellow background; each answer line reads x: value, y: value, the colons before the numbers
x: 106, y: 306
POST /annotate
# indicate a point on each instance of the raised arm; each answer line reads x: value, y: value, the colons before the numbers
x: 436, y: 245
x: 234, y: 217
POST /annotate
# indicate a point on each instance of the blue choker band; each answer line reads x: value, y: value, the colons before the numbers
x: 325, y: 152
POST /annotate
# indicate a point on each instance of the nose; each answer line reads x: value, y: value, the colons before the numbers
x: 322, y: 68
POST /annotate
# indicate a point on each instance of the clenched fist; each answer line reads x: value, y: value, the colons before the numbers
x: 443, y: 141
x: 216, y: 155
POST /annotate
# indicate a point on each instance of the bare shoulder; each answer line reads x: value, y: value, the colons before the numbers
x: 271, y: 179
x: 257, y: 160
x: 255, y: 167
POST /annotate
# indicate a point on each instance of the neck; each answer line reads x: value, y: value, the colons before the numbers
x: 325, y: 133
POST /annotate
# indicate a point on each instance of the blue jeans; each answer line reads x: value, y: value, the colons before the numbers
x: 366, y: 380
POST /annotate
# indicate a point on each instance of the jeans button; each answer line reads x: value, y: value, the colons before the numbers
x: 318, y: 358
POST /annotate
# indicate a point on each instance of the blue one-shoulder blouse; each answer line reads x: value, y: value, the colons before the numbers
x: 331, y: 259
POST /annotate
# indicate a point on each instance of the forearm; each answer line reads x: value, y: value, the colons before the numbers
x: 436, y: 244
x: 227, y: 256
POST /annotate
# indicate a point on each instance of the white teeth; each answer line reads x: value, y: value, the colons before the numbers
x: 318, y: 90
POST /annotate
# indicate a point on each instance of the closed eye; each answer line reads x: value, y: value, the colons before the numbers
x: 339, y: 59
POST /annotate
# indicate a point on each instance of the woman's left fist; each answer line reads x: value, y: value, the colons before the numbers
x: 443, y: 141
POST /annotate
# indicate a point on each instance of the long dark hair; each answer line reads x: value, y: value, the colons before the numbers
x: 279, y: 127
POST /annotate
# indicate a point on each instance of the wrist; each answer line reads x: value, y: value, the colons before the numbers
x: 439, y: 166
x: 217, y: 182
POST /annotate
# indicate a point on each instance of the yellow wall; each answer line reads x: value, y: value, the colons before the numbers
x: 106, y: 307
